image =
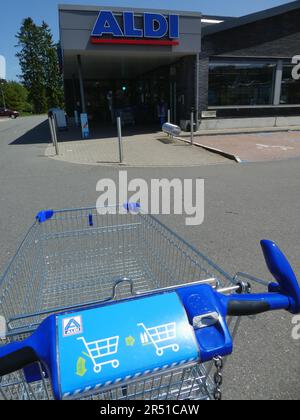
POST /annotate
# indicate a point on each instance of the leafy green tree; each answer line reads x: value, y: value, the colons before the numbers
x: 16, y: 96
x: 40, y: 66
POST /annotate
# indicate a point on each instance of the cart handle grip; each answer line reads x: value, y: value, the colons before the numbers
x: 283, y: 273
x: 247, y: 308
x: 16, y: 356
x: 247, y: 305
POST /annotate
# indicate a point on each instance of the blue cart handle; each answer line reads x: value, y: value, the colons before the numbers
x: 15, y: 356
x: 285, y: 294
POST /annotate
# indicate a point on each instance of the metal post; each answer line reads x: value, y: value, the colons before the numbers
x: 51, y: 130
x: 197, y: 98
x: 171, y: 100
x: 169, y: 121
x: 175, y: 103
x: 83, y: 106
x: 121, y: 152
x: 53, y: 134
x: 169, y: 116
x: 278, y: 83
x: 192, y: 127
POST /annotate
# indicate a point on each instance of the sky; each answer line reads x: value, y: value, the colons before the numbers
x: 13, y: 12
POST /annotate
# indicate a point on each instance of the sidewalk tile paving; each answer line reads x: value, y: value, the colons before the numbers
x: 144, y: 150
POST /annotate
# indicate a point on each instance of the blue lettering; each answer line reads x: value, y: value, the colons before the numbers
x: 155, y: 26
x: 174, y: 26
x: 107, y: 24
x: 130, y: 30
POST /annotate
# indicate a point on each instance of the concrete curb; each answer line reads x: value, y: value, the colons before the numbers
x: 222, y: 132
x: 214, y: 150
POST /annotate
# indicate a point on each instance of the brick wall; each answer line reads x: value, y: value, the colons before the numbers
x: 203, y: 81
x: 186, y: 80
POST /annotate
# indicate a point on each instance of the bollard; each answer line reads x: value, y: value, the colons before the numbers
x: 52, y: 125
x: 55, y: 136
x: 51, y: 130
x: 121, y: 154
x: 192, y: 128
x: 169, y: 122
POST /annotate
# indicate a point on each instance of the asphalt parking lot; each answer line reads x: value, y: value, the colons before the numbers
x: 243, y: 204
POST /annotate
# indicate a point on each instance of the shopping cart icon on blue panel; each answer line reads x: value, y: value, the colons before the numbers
x: 100, y: 352
x: 162, y: 337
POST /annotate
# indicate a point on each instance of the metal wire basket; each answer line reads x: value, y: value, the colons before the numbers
x: 75, y: 258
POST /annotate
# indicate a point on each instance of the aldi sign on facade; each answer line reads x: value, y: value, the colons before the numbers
x: 128, y: 28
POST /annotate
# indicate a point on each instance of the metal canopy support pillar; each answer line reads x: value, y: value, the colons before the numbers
x: 197, y: 83
x: 121, y: 152
x: 278, y: 82
x: 82, y: 96
x: 192, y: 127
x: 175, y: 103
x: 75, y: 96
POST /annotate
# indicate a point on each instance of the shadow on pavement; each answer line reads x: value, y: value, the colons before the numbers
x: 100, y: 131
x: 40, y: 134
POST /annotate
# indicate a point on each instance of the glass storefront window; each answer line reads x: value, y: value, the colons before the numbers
x: 233, y: 84
x: 290, y: 88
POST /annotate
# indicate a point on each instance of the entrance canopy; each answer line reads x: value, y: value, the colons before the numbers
x: 110, y: 65
x: 128, y: 58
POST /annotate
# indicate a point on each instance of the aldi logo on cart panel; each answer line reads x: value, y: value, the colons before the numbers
x: 128, y: 28
x: 72, y: 326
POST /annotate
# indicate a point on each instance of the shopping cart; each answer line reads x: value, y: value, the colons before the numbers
x: 100, y: 349
x: 159, y: 335
x: 79, y: 259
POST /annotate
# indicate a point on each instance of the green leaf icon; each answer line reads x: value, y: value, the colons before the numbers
x: 81, y: 369
x: 130, y: 341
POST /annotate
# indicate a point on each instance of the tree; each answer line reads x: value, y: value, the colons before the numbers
x: 53, y: 77
x: 16, y: 96
x: 39, y: 65
x: 31, y: 64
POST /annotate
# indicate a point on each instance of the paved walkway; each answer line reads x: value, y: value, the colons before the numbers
x: 256, y: 147
x: 144, y: 150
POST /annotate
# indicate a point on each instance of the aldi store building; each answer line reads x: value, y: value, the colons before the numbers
x: 139, y: 62
x: 130, y: 60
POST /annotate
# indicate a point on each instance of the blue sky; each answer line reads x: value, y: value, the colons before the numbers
x: 13, y: 12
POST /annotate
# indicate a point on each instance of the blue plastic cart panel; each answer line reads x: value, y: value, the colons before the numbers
x: 108, y: 345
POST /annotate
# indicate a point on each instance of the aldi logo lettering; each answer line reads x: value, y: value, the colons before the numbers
x: 131, y: 29
x: 72, y: 326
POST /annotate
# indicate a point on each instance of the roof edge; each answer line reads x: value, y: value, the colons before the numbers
x: 251, y: 18
x: 96, y: 8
